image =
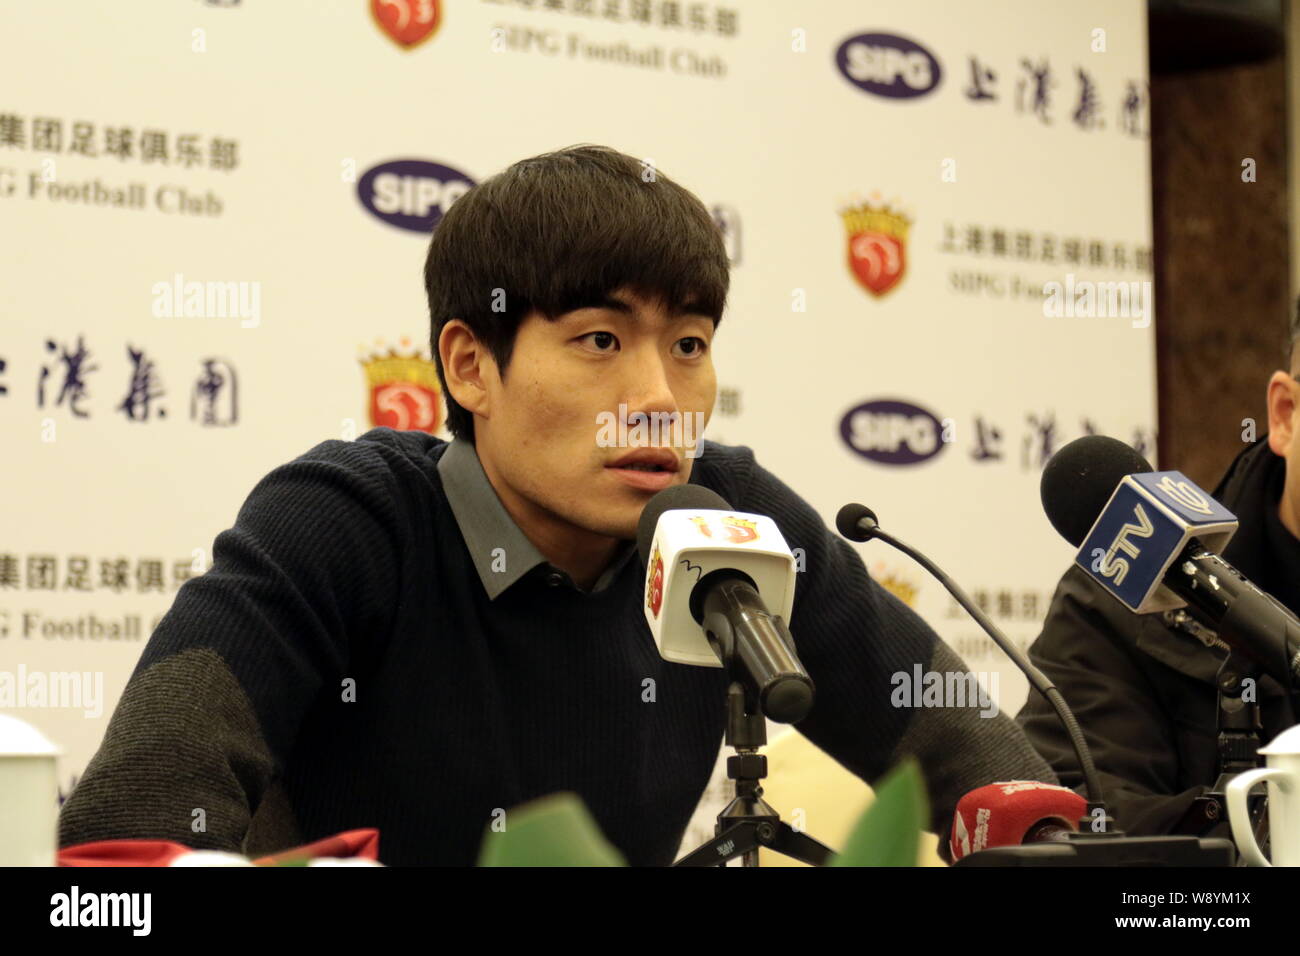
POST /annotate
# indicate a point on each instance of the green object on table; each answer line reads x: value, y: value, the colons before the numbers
x: 889, y: 832
x: 556, y: 830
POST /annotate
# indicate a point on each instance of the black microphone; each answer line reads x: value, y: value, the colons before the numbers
x: 1079, y: 492
x: 727, y: 604
x: 857, y: 522
x: 1084, y: 846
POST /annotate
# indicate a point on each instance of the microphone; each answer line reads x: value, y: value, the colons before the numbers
x: 1014, y: 813
x: 1034, y: 838
x: 1096, y: 841
x: 1149, y: 538
x: 711, y: 575
x: 857, y: 522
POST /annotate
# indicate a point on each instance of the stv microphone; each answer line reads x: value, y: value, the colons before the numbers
x: 1029, y: 823
x: 1014, y: 813
x: 1025, y: 822
x: 1149, y: 539
x: 711, y: 575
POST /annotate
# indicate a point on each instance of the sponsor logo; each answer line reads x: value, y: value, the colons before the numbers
x: 404, y: 392
x: 411, y: 194
x: 408, y: 23
x: 877, y: 245
x: 888, y: 65
x: 893, y: 581
x: 734, y: 529
x: 892, y: 432
x: 654, y: 593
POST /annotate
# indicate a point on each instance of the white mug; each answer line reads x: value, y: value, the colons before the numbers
x: 29, y: 796
x: 1283, y: 771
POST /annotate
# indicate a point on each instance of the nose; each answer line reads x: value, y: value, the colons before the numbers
x: 648, y: 391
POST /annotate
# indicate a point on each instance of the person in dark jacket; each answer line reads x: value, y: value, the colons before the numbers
x: 1143, y: 686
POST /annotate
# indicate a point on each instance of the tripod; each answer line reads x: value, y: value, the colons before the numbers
x: 748, y: 822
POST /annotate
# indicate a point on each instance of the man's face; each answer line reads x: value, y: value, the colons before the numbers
x: 552, y: 429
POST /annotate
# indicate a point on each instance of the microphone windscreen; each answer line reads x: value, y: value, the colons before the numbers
x: 846, y: 521
x: 1004, y: 814
x: 1079, y: 480
x: 686, y: 497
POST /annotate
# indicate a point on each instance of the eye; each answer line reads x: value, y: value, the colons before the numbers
x: 605, y: 339
x: 699, y: 349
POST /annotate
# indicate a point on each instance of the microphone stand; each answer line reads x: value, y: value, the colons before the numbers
x: 748, y: 822
x: 1238, y: 747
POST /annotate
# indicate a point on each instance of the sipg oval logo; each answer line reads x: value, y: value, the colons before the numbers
x: 892, y: 432
x: 888, y: 65
x: 412, y: 194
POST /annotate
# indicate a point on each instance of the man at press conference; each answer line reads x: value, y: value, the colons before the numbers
x: 411, y: 634
x: 1143, y: 686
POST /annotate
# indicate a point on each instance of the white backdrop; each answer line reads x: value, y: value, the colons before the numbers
x: 982, y: 149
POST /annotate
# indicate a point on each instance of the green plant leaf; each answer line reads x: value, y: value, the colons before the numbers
x: 889, y: 832
x: 556, y: 830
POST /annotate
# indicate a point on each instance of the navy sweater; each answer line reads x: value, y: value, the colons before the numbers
x: 341, y: 665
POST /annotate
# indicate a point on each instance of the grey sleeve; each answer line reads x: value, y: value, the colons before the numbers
x: 210, y: 717
x: 959, y: 749
x: 181, y: 760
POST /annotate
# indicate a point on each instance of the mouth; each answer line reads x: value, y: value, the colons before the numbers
x: 642, y: 475
x: 650, y: 469
x: 649, y: 461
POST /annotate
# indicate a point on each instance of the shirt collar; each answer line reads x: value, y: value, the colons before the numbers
x: 486, y: 527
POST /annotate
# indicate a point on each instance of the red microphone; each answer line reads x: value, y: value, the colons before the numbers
x: 1012, y: 813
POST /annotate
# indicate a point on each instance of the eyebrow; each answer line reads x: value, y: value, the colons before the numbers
x: 691, y: 308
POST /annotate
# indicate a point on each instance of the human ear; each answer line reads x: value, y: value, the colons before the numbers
x: 1281, y: 398
x: 464, y: 366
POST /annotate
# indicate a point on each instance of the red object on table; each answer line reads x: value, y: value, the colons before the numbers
x: 350, y: 843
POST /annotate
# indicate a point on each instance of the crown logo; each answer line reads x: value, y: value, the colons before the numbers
x: 902, y: 589
x: 402, y: 364
x: 403, y: 384
x: 879, y: 217
x: 877, y: 242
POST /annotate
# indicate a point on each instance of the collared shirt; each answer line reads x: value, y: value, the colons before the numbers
x: 486, y: 527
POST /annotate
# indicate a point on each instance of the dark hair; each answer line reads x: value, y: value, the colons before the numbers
x: 558, y: 232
